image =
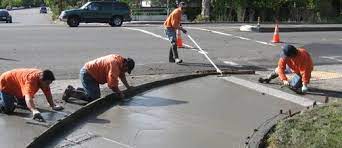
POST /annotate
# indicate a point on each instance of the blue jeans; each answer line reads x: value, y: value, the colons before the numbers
x: 6, y: 103
x: 172, y: 36
x: 296, y: 81
x: 90, y: 85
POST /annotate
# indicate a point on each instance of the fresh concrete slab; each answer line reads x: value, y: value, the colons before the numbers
x: 205, y: 112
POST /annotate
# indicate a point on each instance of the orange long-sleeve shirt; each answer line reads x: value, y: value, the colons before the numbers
x: 300, y: 64
x: 174, y: 19
x: 106, y: 69
x: 21, y: 82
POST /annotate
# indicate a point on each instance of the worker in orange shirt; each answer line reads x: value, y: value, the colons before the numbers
x: 296, y: 61
x: 172, y: 24
x: 102, y: 70
x: 18, y: 87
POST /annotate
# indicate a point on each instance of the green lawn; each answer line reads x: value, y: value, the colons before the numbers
x: 320, y: 127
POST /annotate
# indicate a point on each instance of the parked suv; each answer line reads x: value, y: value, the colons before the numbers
x: 114, y: 13
x: 5, y: 16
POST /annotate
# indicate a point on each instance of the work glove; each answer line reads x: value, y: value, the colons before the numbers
x: 121, y: 95
x: 37, y: 116
x: 304, y: 89
x: 57, y: 108
x: 184, y: 31
x: 286, y: 83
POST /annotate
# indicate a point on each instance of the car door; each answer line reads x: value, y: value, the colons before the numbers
x: 91, y: 13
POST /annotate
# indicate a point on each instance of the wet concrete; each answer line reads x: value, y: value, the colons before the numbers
x: 205, y: 112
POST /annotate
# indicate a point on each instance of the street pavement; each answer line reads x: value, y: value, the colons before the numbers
x: 34, y: 41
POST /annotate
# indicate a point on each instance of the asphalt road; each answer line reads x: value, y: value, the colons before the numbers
x: 33, y: 41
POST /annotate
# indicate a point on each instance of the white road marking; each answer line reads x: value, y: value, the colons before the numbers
x: 226, y: 34
x: 124, y: 145
x: 335, y: 58
x: 243, y: 38
x: 232, y: 63
x: 261, y: 42
x: 271, y: 91
x: 161, y: 37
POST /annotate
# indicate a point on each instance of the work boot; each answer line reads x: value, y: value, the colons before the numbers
x: 273, y: 75
x: 67, y: 93
x: 178, y: 61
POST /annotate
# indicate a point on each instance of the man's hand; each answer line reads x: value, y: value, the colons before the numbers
x: 57, y: 107
x: 121, y: 95
x: 184, y: 31
x: 286, y: 83
x: 304, y: 89
x: 37, y: 116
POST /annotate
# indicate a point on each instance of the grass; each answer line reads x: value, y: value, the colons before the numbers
x: 316, y: 128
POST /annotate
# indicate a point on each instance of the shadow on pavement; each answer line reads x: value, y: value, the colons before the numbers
x: 99, y: 121
x: 150, y: 101
x: 325, y: 92
x: 5, y: 59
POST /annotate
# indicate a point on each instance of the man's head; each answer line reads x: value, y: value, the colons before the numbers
x: 289, y: 51
x: 182, y: 5
x: 129, y: 65
x: 47, y: 78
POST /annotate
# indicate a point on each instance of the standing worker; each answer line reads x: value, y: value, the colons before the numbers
x: 296, y: 61
x: 172, y: 24
x: 103, y: 70
x: 20, y: 86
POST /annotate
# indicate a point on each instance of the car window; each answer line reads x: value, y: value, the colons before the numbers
x: 3, y: 13
x: 120, y: 6
x: 94, y: 7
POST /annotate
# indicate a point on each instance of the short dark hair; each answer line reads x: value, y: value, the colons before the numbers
x: 48, y: 75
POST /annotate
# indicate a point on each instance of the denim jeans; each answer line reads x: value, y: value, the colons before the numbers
x: 172, y: 36
x: 6, y: 103
x: 90, y: 85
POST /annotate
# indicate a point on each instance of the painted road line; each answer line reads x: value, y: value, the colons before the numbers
x: 232, y: 63
x: 157, y: 36
x: 243, y: 38
x: 226, y: 34
x: 271, y: 91
x: 113, y: 141
x: 335, y: 58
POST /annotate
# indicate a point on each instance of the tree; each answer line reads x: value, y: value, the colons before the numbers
x: 205, y: 9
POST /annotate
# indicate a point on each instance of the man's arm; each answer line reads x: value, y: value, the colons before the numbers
x: 281, y: 69
x: 30, y: 103
x: 124, y: 80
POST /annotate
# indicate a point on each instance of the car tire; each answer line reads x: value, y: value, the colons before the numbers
x: 73, y: 21
x: 116, y: 21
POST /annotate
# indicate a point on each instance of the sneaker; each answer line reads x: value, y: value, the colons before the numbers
x: 66, y: 94
x: 178, y: 61
x: 171, y: 60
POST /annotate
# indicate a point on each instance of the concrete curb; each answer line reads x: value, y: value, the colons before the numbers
x: 102, y: 104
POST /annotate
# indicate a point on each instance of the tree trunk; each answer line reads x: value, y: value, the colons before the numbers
x: 205, y: 8
x: 241, y: 14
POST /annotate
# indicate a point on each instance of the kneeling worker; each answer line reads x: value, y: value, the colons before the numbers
x: 103, y: 70
x: 20, y: 85
x: 293, y: 60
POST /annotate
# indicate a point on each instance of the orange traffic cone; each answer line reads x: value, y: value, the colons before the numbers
x: 179, y: 41
x: 276, y: 37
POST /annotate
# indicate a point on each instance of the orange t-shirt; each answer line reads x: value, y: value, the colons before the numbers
x: 21, y: 82
x: 106, y: 69
x: 300, y: 64
x: 174, y: 19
